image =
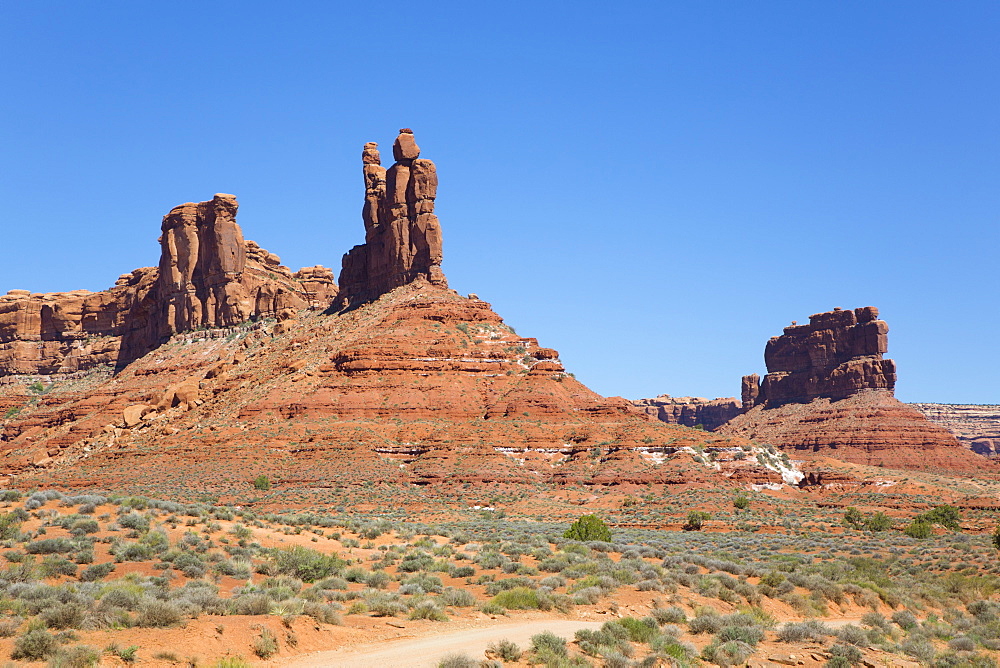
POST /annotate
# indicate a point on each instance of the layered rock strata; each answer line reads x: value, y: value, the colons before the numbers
x: 402, y: 234
x: 708, y: 414
x: 828, y: 393
x: 836, y: 355
x: 976, y: 426
x: 208, y: 277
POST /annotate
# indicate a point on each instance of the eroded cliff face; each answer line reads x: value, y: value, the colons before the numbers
x: 829, y: 393
x: 402, y: 234
x: 836, y: 355
x: 708, y: 414
x: 976, y: 426
x: 208, y: 277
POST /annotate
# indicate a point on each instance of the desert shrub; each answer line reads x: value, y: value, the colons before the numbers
x: 852, y: 635
x: 588, y: 527
x: 878, y: 522
x: 741, y: 502
x: 428, y: 610
x: 962, y: 644
x: 9, y: 626
x: 460, y: 598
x: 842, y: 656
x: 323, y: 613
x: 262, y: 483
x: 455, y: 660
x: 386, y: 605
x: 919, y: 648
x: 64, y: 616
x: 547, y: 643
x: 491, y: 608
x: 874, y: 620
x: 35, y: 645
x: 159, y: 614
x: 10, y: 526
x: 696, y: 520
x: 306, y: 564
x: 905, y: 619
x: 251, y: 604
x: 519, y: 598
x: 672, y: 615
x: 732, y: 653
x: 751, y: 635
x: 808, y: 630
x: 49, y: 546
x: 53, y: 565
x: 265, y: 645
x: 947, y: 516
x: 80, y: 656
x: 96, y: 572
x: 461, y: 571
x: 854, y: 518
x: 705, y: 623
x: 505, y: 650
x: 919, y: 528
x: 134, y: 521
x: 639, y: 630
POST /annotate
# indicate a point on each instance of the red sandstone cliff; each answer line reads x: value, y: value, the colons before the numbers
x: 828, y: 393
x: 709, y: 414
x: 208, y: 277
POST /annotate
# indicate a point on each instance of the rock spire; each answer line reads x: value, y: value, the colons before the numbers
x: 402, y: 234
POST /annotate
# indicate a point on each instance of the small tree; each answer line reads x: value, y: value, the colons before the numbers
x: 588, y: 527
x: 878, y: 522
x: 696, y: 520
x: 853, y: 518
x: 996, y: 537
x: 919, y: 528
x: 947, y: 516
x: 262, y: 483
x: 741, y: 502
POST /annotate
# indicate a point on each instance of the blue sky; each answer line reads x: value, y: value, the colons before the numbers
x: 654, y: 189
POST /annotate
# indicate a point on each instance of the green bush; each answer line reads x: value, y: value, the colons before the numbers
x: 10, y: 526
x: 696, y: 520
x: 262, y: 483
x: 919, y: 528
x: 588, y: 527
x: 741, y: 502
x: 96, y: 572
x: 305, y: 564
x: 505, y: 650
x: 265, y: 645
x: 853, y: 518
x: 518, y: 598
x: 35, y: 645
x: 947, y: 516
x: 878, y: 522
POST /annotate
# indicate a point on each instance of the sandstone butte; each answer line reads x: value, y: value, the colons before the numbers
x: 219, y: 365
x: 828, y: 392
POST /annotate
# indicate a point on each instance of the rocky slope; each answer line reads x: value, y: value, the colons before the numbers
x: 976, y: 426
x: 403, y: 389
x: 828, y: 393
x: 207, y: 277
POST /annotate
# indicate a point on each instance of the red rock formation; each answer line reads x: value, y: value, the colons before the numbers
x: 976, y: 426
x: 828, y: 393
x: 402, y: 234
x: 208, y: 277
x: 836, y: 355
x: 709, y: 414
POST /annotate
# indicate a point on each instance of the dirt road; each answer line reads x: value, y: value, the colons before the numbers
x: 426, y: 651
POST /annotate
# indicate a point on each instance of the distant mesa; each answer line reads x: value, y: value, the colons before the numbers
x: 828, y: 392
x: 707, y: 414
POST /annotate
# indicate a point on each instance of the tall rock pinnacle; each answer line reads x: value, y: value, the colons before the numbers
x: 402, y: 234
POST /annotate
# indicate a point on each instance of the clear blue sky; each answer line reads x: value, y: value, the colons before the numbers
x: 653, y: 188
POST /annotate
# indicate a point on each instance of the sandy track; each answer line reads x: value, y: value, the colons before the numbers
x: 426, y: 651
